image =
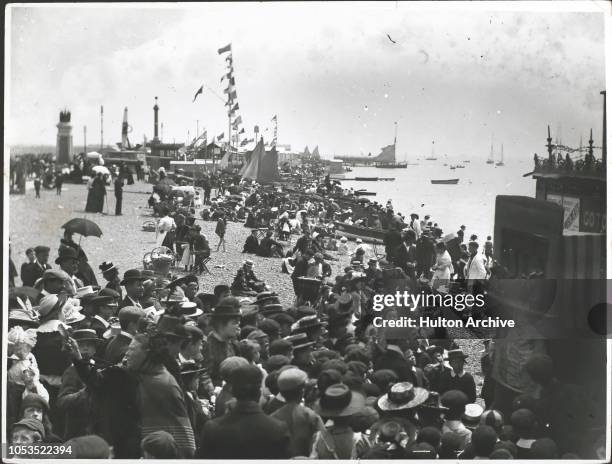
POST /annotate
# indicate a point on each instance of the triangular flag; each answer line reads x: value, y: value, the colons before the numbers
x: 241, y: 131
x: 200, y: 90
x: 236, y: 107
x: 274, y: 118
x: 238, y: 120
x: 227, y: 48
x: 232, y: 81
x: 229, y: 89
x: 221, y: 136
x: 232, y: 96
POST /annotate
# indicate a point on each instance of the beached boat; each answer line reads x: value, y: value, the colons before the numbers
x: 368, y: 179
x: 364, y: 233
x: 364, y: 193
x: 445, y: 181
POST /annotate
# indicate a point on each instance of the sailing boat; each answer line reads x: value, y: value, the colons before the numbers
x: 501, y: 161
x: 490, y: 160
x: 386, y: 158
x: 431, y: 157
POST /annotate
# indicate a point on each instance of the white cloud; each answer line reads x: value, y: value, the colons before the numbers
x: 316, y: 66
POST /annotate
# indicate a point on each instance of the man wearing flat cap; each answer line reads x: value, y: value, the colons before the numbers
x: 302, y: 422
x: 31, y: 272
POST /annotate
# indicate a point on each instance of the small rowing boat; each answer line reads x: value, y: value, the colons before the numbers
x: 364, y: 193
x: 445, y: 181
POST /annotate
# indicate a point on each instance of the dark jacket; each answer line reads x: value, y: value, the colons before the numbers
x: 30, y: 272
x: 251, y: 245
x: 74, y: 403
x: 116, y: 348
x: 465, y: 383
x: 244, y: 433
x: 391, y: 359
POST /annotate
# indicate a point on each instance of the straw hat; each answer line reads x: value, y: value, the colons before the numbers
x: 403, y: 395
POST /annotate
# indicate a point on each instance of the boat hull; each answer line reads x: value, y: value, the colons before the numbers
x: 364, y: 233
x: 392, y: 165
x: 445, y: 181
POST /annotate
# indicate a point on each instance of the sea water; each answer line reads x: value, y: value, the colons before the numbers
x: 471, y: 202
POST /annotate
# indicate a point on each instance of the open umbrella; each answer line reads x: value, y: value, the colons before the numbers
x: 83, y: 226
x: 101, y: 169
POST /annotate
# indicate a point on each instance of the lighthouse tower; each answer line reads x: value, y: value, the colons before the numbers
x: 63, y: 150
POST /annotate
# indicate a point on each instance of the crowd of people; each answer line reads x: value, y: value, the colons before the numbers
x: 148, y: 365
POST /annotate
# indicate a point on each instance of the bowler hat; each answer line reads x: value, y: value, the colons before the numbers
x: 339, y: 401
x: 66, y: 253
x: 131, y: 274
x: 403, y: 395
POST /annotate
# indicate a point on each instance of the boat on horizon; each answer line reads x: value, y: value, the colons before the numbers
x: 444, y: 181
x: 491, y: 160
x: 501, y: 161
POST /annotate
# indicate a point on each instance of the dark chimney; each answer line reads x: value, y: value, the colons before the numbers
x: 155, y: 119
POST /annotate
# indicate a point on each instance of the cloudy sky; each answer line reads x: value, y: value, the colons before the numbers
x: 461, y: 75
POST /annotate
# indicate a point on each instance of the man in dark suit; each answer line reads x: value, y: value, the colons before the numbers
x: 245, y: 432
x: 457, y: 378
x: 118, y: 194
x: 132, y: 281
x: 251, y: 245
x: 30, y: 272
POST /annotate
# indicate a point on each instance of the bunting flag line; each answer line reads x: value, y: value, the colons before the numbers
x: 200, y: 90
x: 227, y: 48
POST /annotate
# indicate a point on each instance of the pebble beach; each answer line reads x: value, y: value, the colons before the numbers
x: 35, y: 222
